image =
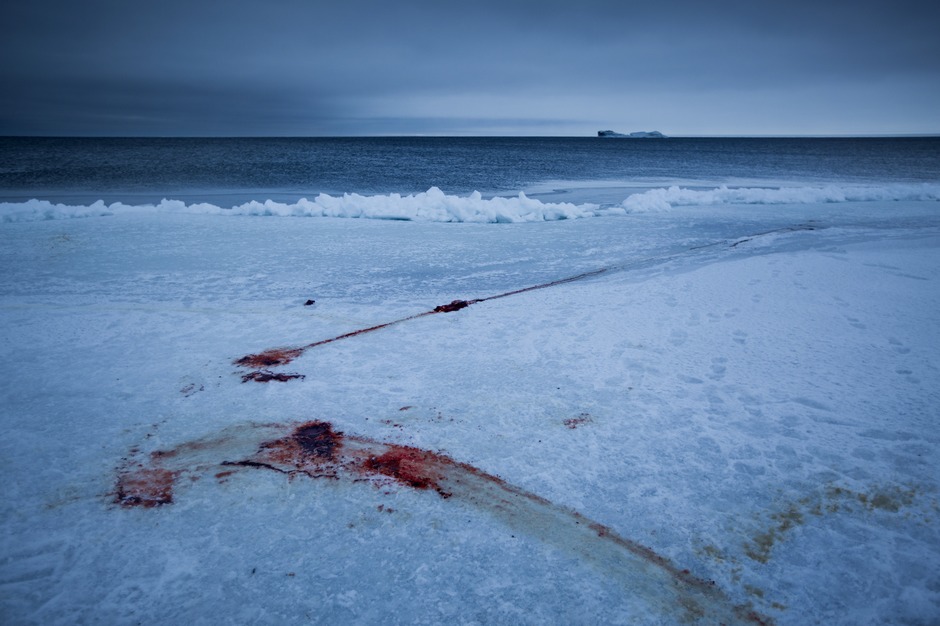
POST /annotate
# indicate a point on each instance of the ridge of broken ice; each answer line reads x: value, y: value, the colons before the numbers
x: 434, y: 205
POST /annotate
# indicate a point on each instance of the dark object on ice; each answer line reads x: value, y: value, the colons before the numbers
x: 309, y: 302
x: 652, y: 134
x: 318, y: 439
x: 456, y: 305
x: 264, y: 376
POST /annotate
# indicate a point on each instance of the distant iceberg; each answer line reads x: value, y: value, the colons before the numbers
x: 653, y: 134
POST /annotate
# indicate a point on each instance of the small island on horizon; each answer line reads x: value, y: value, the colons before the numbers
x: 653, y: 134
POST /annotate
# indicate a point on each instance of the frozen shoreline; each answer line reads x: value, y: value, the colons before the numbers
x: 561, y: 200
x: 762, y: 413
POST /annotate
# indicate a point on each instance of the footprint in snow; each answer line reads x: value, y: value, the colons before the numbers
x: 718, y: 368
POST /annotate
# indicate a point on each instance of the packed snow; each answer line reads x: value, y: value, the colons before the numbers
x: 744, y: 394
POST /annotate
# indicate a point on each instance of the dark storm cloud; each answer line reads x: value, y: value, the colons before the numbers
x: 157, y: 106
x: 366, y: 67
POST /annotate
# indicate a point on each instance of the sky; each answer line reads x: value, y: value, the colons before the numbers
x: 484, y: 67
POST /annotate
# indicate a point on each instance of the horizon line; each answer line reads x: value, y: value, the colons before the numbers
x: 446, y: 136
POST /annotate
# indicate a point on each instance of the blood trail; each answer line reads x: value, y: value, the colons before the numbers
x: 316, y: 450
x: 282, y: 356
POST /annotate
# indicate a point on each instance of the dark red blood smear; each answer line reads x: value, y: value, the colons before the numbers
x: 270, y: 358
x: 574, y: 422
x: 318, y: 439
x: 256, y: 464
x: 757, y: 618
x: 601, y: 530
x: 265, y: 377
x: 456, y: 305
x: 410, y: 466
x: 145, y: 487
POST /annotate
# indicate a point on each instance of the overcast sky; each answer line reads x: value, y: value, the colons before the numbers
x: 484, y: 67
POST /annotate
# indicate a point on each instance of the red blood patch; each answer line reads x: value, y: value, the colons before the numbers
x: 270, y: 358
x: 146, y: 487
x: 410, y: 466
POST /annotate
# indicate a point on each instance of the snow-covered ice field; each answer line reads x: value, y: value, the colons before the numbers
x: 733, y: 400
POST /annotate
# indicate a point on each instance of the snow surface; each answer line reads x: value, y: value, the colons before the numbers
x: 750, y: 394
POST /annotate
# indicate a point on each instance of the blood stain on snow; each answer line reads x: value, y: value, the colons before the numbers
x: 410, y: 466
x: 270, y: 358
x: 145, y: 487
x: 311, y: 449
x: 574, y: 422
x: 318, y: 439
x: 314, y: 449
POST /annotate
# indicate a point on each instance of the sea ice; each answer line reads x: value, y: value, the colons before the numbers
x: 748, y: 395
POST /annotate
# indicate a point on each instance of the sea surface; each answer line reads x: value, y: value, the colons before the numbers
x: 229, y: 171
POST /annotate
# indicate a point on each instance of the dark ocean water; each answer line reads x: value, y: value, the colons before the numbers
x: 113, y: 169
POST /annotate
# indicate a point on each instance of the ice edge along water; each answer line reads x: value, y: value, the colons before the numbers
x: 435, y: 205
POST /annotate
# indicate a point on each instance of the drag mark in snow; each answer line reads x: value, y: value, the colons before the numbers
x: 788, y: 229
x: 282, y: 356
x: 554, y: 283
x: 316, y: 450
